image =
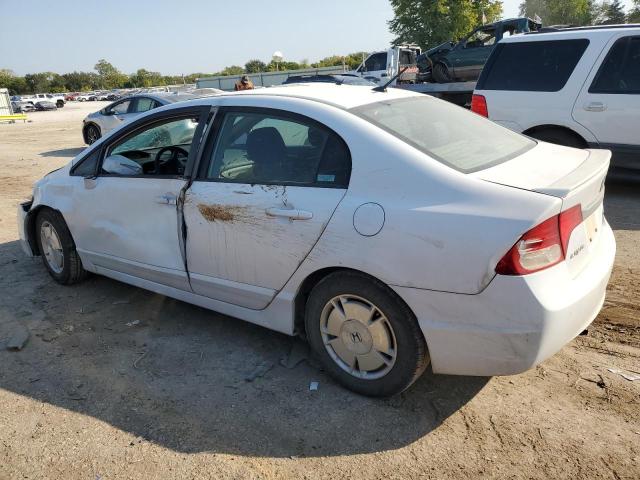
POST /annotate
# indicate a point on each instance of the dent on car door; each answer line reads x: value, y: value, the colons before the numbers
x: 125, y: 218
x: 266, y: 190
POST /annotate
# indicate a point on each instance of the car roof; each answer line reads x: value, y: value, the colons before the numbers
x: 341, y: 96
x: 573, y: 33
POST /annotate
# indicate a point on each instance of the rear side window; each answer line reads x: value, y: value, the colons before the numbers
x: 450, y: 134
x: 620, y: 71
x: 543, y: 66
x: 271, y: 149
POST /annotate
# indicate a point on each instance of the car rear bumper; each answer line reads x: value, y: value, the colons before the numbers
x: 517, y: 321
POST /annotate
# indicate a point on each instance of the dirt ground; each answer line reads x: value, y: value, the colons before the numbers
x: 117, y: 382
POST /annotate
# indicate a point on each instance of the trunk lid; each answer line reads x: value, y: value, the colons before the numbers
x: 575, y: 176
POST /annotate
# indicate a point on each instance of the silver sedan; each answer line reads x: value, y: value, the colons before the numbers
x: 98, y: 124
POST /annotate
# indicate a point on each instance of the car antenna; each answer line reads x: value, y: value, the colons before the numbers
x: 383, y: 88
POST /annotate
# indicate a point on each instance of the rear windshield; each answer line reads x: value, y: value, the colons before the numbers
x: 543, y: 66
x: 450, y: 134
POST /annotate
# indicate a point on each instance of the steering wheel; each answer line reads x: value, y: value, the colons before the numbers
x: 174, y: 165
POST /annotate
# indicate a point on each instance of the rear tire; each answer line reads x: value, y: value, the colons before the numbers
x: 440, y: 73
x: 57, y: 249
x: 364, y: 334
x: 559, y: 137
x: 59, y: 104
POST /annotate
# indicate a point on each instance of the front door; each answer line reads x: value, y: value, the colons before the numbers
x: 115, y: 115
x: 470, y: 56
x: 126, y: 218
x: 609, y: 102
x: 266, y: 190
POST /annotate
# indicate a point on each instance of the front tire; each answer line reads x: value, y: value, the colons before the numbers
x: 366, y: 337
x: 91, y: 134
x: 440, y: 73
x: 57, y: 249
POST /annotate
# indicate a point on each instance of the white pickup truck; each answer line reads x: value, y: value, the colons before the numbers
x: 57, y: 98
x: 380, y: 67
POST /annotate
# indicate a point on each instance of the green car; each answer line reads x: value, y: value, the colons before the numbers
x: 463, y: 61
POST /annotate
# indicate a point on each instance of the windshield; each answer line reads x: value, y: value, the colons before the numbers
x: 450, y: 134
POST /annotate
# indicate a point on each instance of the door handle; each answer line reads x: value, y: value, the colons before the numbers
x: 290, y: 214
x: 166, y: 199
x: 595, y: 107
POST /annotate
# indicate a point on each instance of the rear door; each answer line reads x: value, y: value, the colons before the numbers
x: 268, y: 184
x: 609, y: 103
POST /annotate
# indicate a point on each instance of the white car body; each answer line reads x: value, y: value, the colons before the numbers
x: 430, y: 233
x: 596, y: 119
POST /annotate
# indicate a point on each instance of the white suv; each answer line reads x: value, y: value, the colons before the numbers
x: 578, y: 87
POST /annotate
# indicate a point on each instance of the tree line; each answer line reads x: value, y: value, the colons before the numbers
x: 424, y: 22
x: 431, y: 22
x: 107, y: 77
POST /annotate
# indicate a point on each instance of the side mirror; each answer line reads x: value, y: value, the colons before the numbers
x: 121, y: 165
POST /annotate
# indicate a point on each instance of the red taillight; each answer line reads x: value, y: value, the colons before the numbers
x: 479, y: 105
x: 543, y: 246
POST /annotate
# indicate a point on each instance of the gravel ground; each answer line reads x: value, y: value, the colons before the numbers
x: 117, y: 382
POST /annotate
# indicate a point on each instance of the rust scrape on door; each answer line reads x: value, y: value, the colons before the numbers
x: 223, y: 213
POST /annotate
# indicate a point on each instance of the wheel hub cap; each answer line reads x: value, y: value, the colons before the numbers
x: 51, y: 247
x: 358, y: 336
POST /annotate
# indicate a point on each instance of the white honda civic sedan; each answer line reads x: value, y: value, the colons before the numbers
x: 390, y: 229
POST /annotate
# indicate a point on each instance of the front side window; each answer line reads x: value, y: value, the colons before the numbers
x: 375, y: 62
x: 452, y: 135
x: 265, y: 148
x: 537, y: 66
x: 159, y: 149
x: 620, y: 71
x: 120, y: 108
x: 481, y: 38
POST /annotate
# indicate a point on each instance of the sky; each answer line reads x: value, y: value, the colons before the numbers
x: 187, y: 36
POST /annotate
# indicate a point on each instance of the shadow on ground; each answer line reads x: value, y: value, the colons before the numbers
x: 621, y: 203
x: 175, y: 374
x: 64, y: 152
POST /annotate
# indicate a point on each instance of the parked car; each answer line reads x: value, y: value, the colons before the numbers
x: 56, y: 100
x: 463, y: 61
x: 337, y: 79
x: 393, y: 229
x: 45, y: 105
x: 70, y: 97
x: 84, y: 97
x: 112, y: 97
x: 578, y: 87
x: 22, y: 107
x: 99, y: 123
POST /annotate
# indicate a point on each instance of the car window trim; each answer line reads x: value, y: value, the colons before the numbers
x: 135, y: 126
x: 212, y: 140
x: 625, y: 38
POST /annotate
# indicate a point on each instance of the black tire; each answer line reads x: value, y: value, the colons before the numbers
x: 59, y: 104
x: 71, y: 270
x: 559, y: 137
x: 440, y: 73
x: 411, y: 354
x: 91, y: 134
